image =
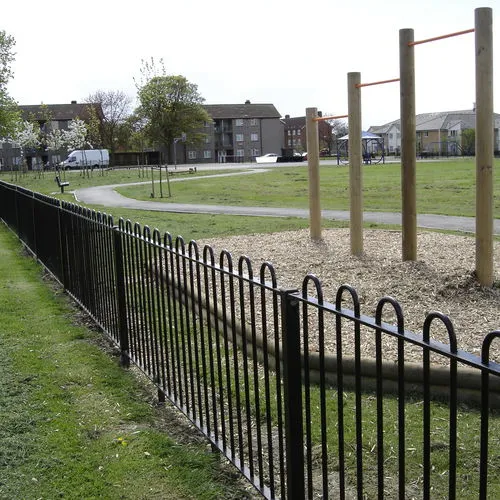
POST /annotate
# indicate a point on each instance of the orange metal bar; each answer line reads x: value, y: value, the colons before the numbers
x: 359, y: 85
x: 433, y: 39
x: 323, y: 118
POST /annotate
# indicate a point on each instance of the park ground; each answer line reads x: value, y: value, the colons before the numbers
x: 73, y: 423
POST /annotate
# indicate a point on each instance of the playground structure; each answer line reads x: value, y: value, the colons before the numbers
x: 483, y: 30
x: 373, y: 149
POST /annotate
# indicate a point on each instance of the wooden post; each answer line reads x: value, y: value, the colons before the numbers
x: 313, y: 167
x: 484, y: 145
x: 355, y: 155
x: 408, y: 144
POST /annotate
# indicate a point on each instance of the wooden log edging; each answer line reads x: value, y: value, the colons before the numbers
x: 468, y: 379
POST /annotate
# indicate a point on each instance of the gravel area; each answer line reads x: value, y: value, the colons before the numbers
x: 442, y: 279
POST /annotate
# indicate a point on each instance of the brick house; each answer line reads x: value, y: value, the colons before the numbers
x: 295, y: 137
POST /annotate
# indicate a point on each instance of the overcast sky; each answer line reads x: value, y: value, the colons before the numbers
x: 291, y: 53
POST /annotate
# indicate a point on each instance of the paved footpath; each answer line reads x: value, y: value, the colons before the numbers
x: 107, y: 196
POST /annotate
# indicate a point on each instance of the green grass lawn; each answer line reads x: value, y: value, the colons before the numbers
x: 442, y: 188
x: 446, y: 187
x: 198, y: 226
x: 44, y: 182
x: 73, y: 424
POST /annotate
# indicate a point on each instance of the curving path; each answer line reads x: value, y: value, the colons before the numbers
x: 107, y: 196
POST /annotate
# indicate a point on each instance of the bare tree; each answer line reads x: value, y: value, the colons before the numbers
x: 339, y: 128
x: 116, y: 107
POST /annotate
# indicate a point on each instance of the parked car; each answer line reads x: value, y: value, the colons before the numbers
x: 267, y: 158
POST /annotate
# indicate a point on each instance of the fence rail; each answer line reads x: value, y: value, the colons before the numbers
x: 244, y: 359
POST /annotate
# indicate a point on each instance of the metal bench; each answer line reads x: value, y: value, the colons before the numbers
x: 62, y: 185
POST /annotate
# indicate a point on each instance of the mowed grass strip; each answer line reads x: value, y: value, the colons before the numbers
x: 202, y: 226
x: 446, y: 188
x: 73, y: 424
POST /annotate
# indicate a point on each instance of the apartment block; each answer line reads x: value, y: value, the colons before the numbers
x: 238, y: 133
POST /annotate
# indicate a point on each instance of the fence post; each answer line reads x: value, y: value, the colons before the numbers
x: 16, y: 206
x: 292, y: 393
x: 33, y: 224
x: 62, y: 246
x: 121, y: 299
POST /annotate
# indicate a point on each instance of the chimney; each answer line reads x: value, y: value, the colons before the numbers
x: 287, y: 117
x: 73, y: 102
x: 320, y: 113
x: 247, y: 101
x: 473, y: 106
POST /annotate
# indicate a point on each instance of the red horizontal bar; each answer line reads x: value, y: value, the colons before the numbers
x: 359, y: 85
x: 323, y: 118
x: 433, y: 39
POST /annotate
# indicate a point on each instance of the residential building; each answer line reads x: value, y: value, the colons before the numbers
x: 390, y: 135
x: 238, y: 133
x: 440, y: 133
x: 59, y: 115
x: 296, y: 137
x: 49, y: 117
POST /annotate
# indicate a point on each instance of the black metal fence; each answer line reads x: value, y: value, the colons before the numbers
x: 245, y: 360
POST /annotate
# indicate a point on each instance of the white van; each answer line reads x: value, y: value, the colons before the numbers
x: 89, y: 158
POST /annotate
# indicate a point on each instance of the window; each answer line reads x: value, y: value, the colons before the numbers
x: 453, y: 133
x: 192, y: 155
x: 207, y: 124
x: 390, y: 136
x: 240, y: 152
x: 298, y: 132
x: 253, y: 122
x: 207, y: 139
x: 255, y: 152
x: 239, y: 137
x: 207, y: 153
x: 239, y: 122
x: 254, y: 137
x: 289, y: 132
x: 426, y: 134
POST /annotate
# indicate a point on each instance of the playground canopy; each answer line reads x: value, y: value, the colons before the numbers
x: 372, y: 145
x: 365, y: 136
